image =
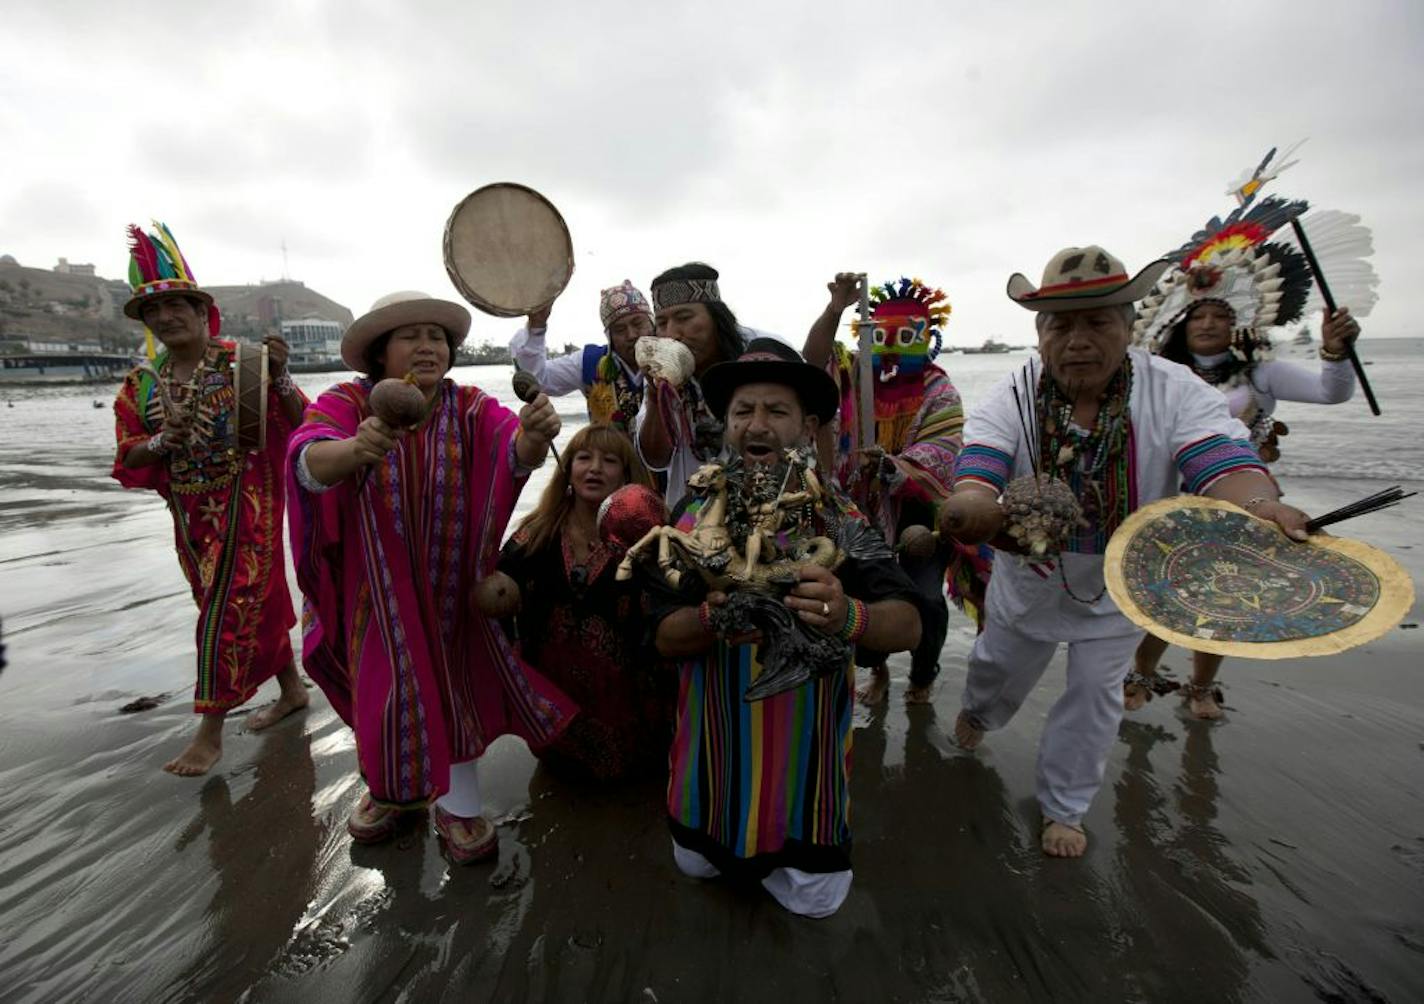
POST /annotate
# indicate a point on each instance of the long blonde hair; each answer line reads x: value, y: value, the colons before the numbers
x: 542, y: 526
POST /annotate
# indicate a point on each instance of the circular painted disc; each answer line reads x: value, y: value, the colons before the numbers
x: 1209, y: 576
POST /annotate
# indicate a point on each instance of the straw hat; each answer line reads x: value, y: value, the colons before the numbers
x: 1082, y: 278
x: 396, y: 310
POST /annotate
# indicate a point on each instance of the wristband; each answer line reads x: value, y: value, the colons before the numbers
x: 284, y: 385
x: 857, y: 620
x: 1333, y: 357
x: 704, y: 617
x: 157, y: 445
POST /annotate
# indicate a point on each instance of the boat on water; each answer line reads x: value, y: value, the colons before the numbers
x: 989, y: 346
x: 65, y: 367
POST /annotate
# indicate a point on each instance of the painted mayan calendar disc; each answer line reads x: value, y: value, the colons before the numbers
x: 1208, y: 576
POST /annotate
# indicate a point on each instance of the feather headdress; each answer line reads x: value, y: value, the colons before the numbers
x: 1231, y: 262
x: 157, y: 267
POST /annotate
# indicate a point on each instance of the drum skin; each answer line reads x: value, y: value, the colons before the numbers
x: 507, y: 250
x: 249, y: 387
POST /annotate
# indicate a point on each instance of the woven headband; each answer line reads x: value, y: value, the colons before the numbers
x: 675, y: 291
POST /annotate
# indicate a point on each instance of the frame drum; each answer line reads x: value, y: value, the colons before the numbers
x: 507, y: 250
x: 249, y: 388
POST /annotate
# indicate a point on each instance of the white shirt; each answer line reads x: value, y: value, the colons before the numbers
x: 562, y: 374
x: 1280, y: 380
x: 1171, y: 409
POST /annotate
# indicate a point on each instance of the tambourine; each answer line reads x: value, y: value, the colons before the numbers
x: 507, y: 250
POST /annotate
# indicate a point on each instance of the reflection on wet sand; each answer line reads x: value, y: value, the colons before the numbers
x: 1279, y: 856
x: 263, y: 883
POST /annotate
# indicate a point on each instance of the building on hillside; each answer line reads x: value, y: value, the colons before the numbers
x: 313, y: 341
x: 66, y: 267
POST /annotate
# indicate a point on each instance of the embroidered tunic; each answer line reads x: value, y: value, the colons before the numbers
x: 587, y: 633
x: 227, y: 510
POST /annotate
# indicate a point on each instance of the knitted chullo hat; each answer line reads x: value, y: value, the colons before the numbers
x: 618, y: 302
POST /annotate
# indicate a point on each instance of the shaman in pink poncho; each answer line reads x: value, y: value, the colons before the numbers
x: 386, y: 561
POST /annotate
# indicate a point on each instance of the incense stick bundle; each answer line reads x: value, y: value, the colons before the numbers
x: 1371, y: 503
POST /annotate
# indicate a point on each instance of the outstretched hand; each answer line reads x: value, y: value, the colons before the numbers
x: 373, y: 440
x: 539, y: 420
x: 1290, y: 519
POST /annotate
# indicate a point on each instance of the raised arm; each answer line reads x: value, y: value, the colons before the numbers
x: 821, y: 339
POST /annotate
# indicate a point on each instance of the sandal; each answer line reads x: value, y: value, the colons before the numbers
x: 1201, y: 691
x: 1153, y: 683
x: 371, y: 822
x: 467, y: 840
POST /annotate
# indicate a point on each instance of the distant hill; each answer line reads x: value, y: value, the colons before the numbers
x: 47, y: 306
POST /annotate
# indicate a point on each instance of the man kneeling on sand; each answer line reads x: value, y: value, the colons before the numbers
x: 1121, y: 428
x: 762, y: 790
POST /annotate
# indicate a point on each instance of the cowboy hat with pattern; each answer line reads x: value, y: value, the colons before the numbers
x: 1083, y: 278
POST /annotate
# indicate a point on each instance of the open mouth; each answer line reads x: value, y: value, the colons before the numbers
x: 759, y: 452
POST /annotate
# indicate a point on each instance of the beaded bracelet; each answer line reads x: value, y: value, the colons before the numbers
x: 704, y: 617
x: 857, y: 620
x: 1333, y: 357
x: 284, y: 385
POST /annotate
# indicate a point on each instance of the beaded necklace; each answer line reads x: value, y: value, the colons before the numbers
x: 1097, y: 466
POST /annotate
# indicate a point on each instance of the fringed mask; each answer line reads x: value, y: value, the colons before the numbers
x: 908, y: 318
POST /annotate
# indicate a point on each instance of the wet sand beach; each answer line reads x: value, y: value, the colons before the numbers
x: 1277, y: 856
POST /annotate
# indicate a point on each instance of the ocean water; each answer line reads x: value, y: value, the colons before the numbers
x: 69, y: 429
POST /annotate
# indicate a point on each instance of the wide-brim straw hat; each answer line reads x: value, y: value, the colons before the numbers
x: 767, y: 360
x: 396, y: 310
x: 1083, y: 278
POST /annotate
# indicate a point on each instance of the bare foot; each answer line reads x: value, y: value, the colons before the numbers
x: 1060, y: 840
x: 873, y: 693
x: 292, y: 698
x: 204, y: 751
x: 916, y: 694
x: 967, y: 735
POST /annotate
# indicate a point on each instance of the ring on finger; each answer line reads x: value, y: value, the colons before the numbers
x: 825, y: 609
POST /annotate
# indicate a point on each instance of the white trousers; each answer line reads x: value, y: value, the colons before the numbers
x: 463, y: 798
x: 1005, y: 665
x: 808, y: 894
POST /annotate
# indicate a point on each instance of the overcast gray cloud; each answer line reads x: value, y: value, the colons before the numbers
x: 780, y: 141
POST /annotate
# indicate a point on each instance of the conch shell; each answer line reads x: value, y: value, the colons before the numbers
x: 664, y: 359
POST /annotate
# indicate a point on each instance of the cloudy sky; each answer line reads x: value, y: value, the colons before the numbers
x: 780, y: 141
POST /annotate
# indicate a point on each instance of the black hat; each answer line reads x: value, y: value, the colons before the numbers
x: 768, y: 360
